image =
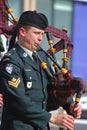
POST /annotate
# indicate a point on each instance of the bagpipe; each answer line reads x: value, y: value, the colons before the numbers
x: 63, y: 85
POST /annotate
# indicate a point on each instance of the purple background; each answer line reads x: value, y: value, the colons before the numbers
x: 79, y: 39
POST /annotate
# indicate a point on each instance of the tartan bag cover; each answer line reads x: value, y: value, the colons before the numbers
x: 60, y: 90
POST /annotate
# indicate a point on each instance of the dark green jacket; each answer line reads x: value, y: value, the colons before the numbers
x: 24, y: 90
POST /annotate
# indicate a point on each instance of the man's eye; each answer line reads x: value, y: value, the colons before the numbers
x: 36, y: 32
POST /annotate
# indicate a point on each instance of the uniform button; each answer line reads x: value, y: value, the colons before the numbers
x: 44, y: 102
x: 24, y: 54
x: 14, y: 49
x: 30, y: 77
x: 44, y: 90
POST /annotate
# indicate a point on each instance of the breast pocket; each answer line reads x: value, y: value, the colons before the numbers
x: 29, y: 74
x: 31, y: 78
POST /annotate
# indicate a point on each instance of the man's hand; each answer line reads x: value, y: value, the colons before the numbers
x: 63, y: 120
x: 76, y: 110
x: 1, y: 100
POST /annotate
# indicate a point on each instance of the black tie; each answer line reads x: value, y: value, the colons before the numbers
x: 35, y: 58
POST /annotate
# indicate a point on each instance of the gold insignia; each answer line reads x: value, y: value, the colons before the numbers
x: 7, y: 54
x: 6, y: 59
x: 14, y: 82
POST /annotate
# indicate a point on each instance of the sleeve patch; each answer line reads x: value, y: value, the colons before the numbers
x: 6, y: 59
x: 14, y: 82
x: 9, y: 68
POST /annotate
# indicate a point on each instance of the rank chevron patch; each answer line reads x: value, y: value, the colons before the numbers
x: 14, y: 82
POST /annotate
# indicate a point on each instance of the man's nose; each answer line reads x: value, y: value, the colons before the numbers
x: 40, y: 37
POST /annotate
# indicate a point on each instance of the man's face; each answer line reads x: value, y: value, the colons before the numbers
x: 31, y: 38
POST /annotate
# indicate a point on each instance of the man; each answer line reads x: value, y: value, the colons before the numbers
x: 24, y: 83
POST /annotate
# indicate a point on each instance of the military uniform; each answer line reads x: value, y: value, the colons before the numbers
x: 25, y: 92
x: 24, y: 85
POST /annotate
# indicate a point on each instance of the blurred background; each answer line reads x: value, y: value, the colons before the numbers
x: 70, y: 14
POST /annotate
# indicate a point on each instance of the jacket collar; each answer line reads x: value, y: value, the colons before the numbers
x: 24, y: 56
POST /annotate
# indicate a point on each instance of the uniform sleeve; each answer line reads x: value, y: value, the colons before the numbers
x: 17, y: 98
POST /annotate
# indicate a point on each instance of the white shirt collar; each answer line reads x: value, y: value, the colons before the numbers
x: 26, y: 50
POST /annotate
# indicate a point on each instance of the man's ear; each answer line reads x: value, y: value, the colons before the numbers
x: 22, y: 31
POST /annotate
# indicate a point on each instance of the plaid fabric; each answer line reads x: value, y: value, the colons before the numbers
x: 63, y: 36
x: 58, y: 33
x: 60, y: 90
x: 3, y: 22
x: 4, y: 28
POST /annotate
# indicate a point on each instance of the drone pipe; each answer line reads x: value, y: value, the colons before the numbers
x: 65, y: 58
x: 63, y: 70
x: 52, y: 49
x: 44, y: 65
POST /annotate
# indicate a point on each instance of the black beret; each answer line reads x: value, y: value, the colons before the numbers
x: 34, y: 19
